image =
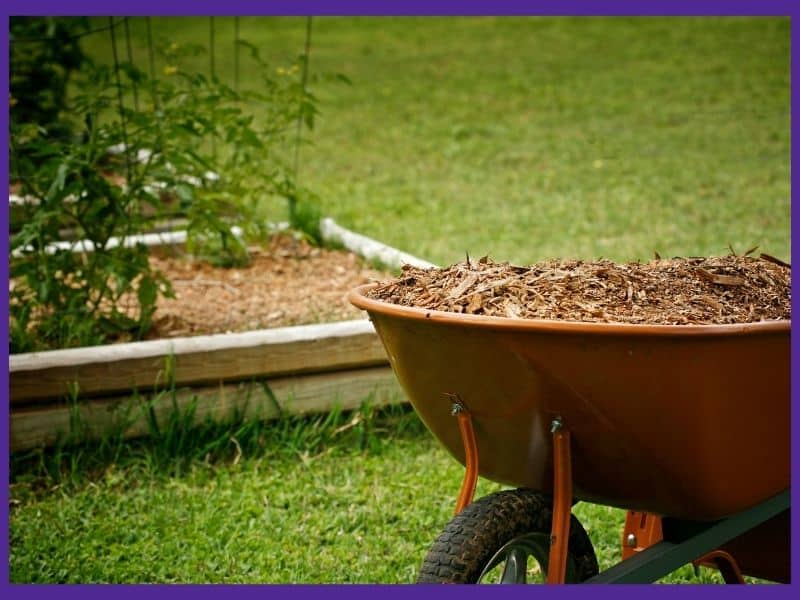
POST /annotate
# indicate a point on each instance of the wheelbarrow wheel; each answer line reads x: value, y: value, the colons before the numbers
x: 494, y: 539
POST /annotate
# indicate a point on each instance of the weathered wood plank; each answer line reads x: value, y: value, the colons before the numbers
x: 33, y: 427
x: 194, y: 360
x: 367, y: 247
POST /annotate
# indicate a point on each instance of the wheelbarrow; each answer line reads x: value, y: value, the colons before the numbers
x: 686, y: 427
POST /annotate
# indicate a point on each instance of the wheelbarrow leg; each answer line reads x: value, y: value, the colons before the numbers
x: 562, y: 503
x: 467, y: 493
x: 643, y: 530
x: 562, y: 485
x: 724, y: 563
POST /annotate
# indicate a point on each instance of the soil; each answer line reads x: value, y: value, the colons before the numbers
x: 678, y: 291
x: 288, y: 282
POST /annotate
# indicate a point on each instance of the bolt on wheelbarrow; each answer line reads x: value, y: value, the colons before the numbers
x: 685, y: 426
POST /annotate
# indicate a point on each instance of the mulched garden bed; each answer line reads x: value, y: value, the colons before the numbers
x: 678, y: 291
x: 288, y: 282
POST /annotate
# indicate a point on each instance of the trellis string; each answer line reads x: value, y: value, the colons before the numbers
x: 212, y: 67
x: 152, y: 63
x: 130, y: 60
x: 236, y: 54
x: 120, y: 101
x: 304, y: 81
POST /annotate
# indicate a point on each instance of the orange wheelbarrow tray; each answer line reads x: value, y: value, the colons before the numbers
x: 690, y: 423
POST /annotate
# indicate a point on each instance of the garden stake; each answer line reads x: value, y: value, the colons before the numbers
x: 467, y: 493
x: 562, y: 503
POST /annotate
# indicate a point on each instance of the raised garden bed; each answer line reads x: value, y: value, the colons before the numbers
x: 294, y: 369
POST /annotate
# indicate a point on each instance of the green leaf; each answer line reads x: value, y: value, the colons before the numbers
x: 44, y: 290
x: 147, y: 292
x: 58, y: 183
x: 249, y: 137
x: 185, y: 192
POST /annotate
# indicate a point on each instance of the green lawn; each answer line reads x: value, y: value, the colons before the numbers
x: 339, y: 514
x: 522, y: 138
x: 535, y: 138
x: 301, y: 503
x: 541, y: 138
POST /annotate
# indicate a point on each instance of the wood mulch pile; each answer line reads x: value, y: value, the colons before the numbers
x: 288, y: 282
x: 678, y: 291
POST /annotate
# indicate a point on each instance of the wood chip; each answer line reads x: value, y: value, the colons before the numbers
x: 718, y: 278
x: 288, y: 282
x: 777, y: 261
x: 475, y: 304
x: 463, y: 287
x: 695, y: 290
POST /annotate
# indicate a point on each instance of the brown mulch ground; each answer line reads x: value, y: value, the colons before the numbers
x: 287, y: 283
x: 679, y: 291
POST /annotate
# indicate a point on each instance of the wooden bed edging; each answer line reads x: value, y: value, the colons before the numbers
x: 155, y: 239
x: 39, y: 376
x: 369, y: 248
x: 309, y: 366
x: 33, y: 427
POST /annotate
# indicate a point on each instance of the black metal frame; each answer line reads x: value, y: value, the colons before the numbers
x: 685, y: 541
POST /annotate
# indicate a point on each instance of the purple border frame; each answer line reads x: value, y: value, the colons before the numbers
x: 404, y: 7
x: 366, y: 7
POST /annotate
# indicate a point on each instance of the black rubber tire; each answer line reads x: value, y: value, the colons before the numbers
x: 478, y: 532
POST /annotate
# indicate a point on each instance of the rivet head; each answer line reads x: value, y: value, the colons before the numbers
x: 630, y: 541
x: 455, y: 409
